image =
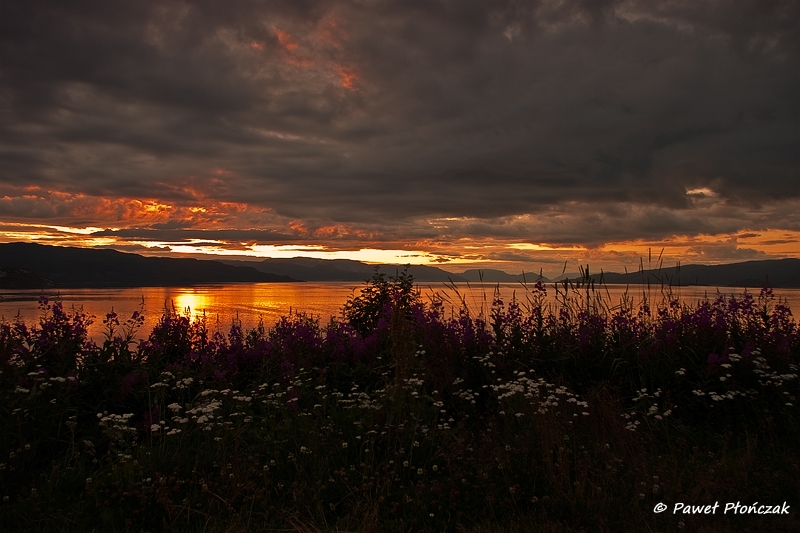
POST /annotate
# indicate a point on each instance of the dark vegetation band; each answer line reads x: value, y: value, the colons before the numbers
x: 402, y: 415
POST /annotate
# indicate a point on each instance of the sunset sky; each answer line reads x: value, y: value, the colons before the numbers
x: 500, y: 134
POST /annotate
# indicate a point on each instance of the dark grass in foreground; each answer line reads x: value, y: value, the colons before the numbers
x: 399, y: 417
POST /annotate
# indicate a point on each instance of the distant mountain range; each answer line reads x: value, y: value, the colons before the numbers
x: 751, y: 274
x: 498, y: 276
x: 310, y: 269
x: 783, y: 273
x: 36, y: 266
x: 27, y: 265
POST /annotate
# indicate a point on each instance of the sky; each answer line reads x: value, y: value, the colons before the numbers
x: 517, y: 135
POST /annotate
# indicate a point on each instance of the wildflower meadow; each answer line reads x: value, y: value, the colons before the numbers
x: 405, y: 415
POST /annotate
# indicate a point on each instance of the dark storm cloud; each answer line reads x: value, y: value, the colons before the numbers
x: 393, y: 112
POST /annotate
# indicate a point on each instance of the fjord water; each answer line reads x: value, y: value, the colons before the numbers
x: 220, y: 304
x: 250, y: 303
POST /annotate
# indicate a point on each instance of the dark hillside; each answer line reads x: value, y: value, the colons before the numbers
x: 19, y: 278
x: 81, y: 267
x: 498, y: 276
x: 779, y: 273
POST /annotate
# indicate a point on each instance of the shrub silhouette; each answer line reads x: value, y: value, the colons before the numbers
x: 380, y: 299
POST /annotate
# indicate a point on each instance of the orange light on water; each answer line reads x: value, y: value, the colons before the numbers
x: 191, y: 303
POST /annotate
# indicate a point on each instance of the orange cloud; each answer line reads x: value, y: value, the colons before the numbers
x: 62, y: 208
x: 327, y: 231
x: 198, y: 189
x: 344, y: 232
x: 366, y: 234
x: 348, y: 77
x: 298, y: 226
x: 322, y: 49
x: 291, y: 48
x: 330, y: 31
x: 300, y: 62
x: 286, y: 40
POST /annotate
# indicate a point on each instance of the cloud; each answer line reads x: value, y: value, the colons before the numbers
x: 401, y: 122
x: 723, y: 251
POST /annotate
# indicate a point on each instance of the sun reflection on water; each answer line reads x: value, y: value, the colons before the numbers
x: 192, y: 304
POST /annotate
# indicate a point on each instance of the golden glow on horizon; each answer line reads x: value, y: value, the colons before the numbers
x: 64, y: 229
x: 333, y: 242
x: 80, y: 231
x: 367, y: 255
x: 543, y: 247
x: 205, y: 241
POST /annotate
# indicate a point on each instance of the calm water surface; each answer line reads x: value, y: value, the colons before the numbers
x: 252, y: 302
